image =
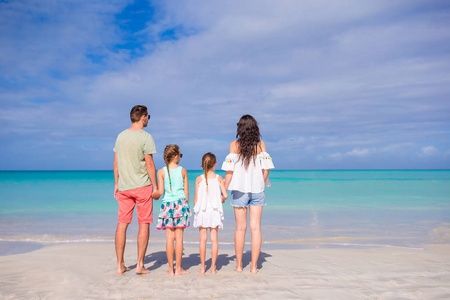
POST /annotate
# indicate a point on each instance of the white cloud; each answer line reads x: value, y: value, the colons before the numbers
x: 429, y: 151
x: 358, y: 152
x: 336, y: 156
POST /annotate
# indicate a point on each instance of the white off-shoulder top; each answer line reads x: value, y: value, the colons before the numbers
x: 248, y: 180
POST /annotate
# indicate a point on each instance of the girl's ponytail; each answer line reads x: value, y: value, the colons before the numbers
x: 169, y: 153
x: 208, y: 161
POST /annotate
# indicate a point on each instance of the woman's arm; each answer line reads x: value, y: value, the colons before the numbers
x: 263, y: 146
x: 186, y: 183
x: 266, y: 174
x: 234, y: 147
x: 223, y: 189
x: 228, y: 177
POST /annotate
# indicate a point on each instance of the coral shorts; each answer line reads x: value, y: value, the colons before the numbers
x: 142, y: 199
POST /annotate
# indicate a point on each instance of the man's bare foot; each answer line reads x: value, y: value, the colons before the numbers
x: 181, y: 272
x: 121, y: 270
x: 202, y: 271
x: 169, y: 272
x: 213, y: 270
x: 142, y: 270
x: 254, y: 271
x: 239, y: 270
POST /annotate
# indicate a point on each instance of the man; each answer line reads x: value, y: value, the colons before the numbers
x: 134, y: 176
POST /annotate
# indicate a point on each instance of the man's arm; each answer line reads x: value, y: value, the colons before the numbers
x: 116, y: 176
x: 151, y: 169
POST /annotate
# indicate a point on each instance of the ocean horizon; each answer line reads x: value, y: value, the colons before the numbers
x: 305, y: 209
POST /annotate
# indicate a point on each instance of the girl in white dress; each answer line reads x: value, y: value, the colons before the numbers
x: 210, y: 193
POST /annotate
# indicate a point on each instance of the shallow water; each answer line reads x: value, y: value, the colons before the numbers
x: 304, y: 209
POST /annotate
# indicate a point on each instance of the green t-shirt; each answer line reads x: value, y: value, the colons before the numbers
x: 131, y: 147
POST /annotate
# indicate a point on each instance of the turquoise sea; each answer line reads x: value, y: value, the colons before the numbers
x: 305, y: 209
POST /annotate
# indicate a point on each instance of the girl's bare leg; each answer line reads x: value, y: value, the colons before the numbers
x: 214, y: 248
x: 240, y: 215
x: 179, y: 251
x: 203, y: 238
x: 255, y: 228
x: 170, y: 238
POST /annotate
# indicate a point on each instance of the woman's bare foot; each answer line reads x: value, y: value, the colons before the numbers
x: 239, y: 270
x: 181, y: 272
x: 253, y: 268
x: 213, y: 270
x: 122, y: 269
x: 169, y: 272
x: 202, y: 270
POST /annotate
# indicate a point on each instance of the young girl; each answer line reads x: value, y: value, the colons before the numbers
x: 210, y: 193
x: 175, y: 211
x: 247, y: 166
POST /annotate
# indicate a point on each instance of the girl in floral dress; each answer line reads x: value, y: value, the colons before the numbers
x: 175, y: 211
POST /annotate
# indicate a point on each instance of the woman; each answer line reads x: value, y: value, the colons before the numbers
x: 247, y: 166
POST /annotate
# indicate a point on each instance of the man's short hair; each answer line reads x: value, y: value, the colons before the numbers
x: 137, y: 112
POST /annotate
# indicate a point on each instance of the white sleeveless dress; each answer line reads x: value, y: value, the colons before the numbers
x: 208, y: 211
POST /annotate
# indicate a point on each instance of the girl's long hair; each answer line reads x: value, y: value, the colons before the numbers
x: 248, y: 137
x: 208, y: 161
x: 169, y: 153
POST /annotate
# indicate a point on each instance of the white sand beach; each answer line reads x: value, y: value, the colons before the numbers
x: 87, y: 271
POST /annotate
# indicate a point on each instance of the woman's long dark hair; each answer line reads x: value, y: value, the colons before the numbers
x: 248, y: 137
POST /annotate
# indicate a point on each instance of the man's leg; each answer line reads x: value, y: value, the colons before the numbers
x: 144, y: 211
x: 142, y: 243
x: 125, y: 216
x: 121, y: 237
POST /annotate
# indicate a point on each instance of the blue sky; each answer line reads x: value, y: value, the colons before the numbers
x: 333, y: 84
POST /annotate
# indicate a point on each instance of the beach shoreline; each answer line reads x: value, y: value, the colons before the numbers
x: 87, y: 270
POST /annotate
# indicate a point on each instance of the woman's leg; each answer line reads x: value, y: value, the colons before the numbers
x: 240, y: 215
x: 214, y: 248
x: 179, y: 251
x: 203, y: 237
x: 170, y: 238
x: 255, y: 228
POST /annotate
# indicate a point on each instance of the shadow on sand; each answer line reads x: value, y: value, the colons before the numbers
x: 159, y: 259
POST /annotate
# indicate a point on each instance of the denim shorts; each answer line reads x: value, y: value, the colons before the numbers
x: 239, y: 199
